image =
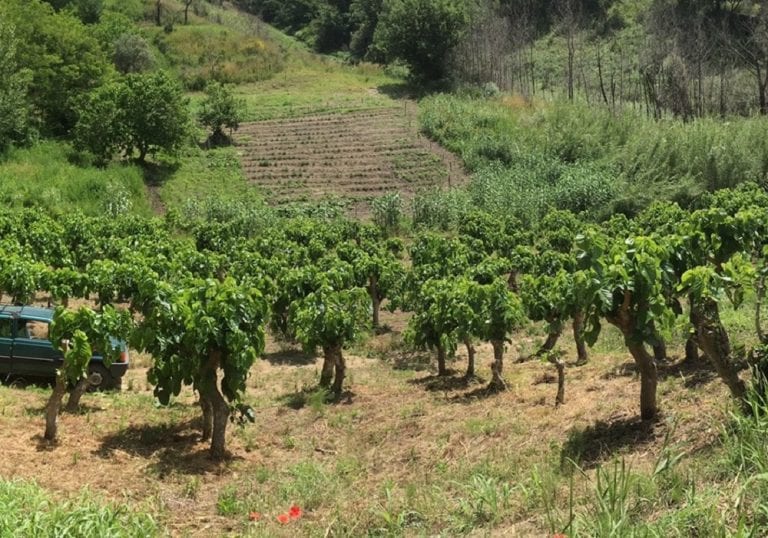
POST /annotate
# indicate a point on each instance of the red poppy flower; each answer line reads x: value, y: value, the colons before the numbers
x: 559, y: 535
x: 294, y: 512
x: 254, y: 516
x: 283, y: 518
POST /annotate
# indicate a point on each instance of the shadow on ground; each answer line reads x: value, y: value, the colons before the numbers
x: 693, y: 373
x: 290, y: 357
x: 173, y: 447
x: 450, y: 382
x: 156, y: 174
x: 591, y: 446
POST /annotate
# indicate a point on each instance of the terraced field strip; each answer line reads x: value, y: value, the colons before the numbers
x: 357, y: 155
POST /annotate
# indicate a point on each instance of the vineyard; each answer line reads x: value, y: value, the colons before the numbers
x: 204, y: 297
x: 352, y: 154
x: 275, y: 297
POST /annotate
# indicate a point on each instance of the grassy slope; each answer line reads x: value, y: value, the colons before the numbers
x: 43, y: 176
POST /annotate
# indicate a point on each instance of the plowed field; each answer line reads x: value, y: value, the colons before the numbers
x: 356, y: 155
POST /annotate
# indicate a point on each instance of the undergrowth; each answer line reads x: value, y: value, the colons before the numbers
x: 526, y: 159
x: 48, y: 176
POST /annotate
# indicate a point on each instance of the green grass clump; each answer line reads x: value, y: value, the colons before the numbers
x: 43, y: 176
x: 28, y: 510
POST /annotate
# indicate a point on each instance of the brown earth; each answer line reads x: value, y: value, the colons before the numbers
x: 356, y: 155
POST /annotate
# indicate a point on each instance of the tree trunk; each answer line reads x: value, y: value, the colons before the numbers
x: 713, y: 340
x: 142, y: 154
x: 158, y: 9
x: 53, y: 406
x: 207, y: 408
x: 600, y: 76
x: 470, y: 359
x: 329, y: 362
x: 73, y: 403
x: 187, y: 3
x: 660, y: 350
x: 691, y: 350
x: 341, y: 367
x: 512, y: 282
x: 549, y: 344
x: 648, y: 378
x: 560, y: 366
x: 645, y: 363
x: 571, y: 55
x: 497, y: 367
x: 219, y: 406
x: 578, y: 335
x: 441, y: 369
x: 373, y: 290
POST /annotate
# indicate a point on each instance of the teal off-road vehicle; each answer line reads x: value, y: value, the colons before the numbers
x: 26, y: 352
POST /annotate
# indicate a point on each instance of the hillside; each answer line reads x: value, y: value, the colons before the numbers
x: 517, y: 293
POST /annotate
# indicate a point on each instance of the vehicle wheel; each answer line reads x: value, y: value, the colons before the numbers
x: 108, y: 382
x: 19, y: 383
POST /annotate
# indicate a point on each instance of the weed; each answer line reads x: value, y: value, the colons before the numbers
x: 484, y: 501
x: 191, y: 487
x: 228, y: 503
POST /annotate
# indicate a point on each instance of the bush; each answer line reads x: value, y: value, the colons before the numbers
x: 388, y: 212
x: 132, y: 54
x: 62, y: 56
x: 422, y: 33
x: 569, y: 156
x: 14, y: 81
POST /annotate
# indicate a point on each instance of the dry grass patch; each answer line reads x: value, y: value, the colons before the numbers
x: 402, y: 452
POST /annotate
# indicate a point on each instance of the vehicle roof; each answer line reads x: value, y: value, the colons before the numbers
x: 30, y: 312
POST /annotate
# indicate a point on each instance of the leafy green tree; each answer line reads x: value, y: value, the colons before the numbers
x: 112, y: 27
x: 75, y: 333
x: 376, y: 268
x: 220, y: 110
x: 88, y: 11
x: 422, y: 33
x: 329, y: 318
x: 131, y: 54
x: 143, y: 113
x: 194, y: 334
x: 501, y: 312
x: 329, y: 29
x: 14, y: 83
x: 364, y: 16
x: 155, y: 114
x: 628, y: 285
x: 434, y: 320
x: 64, y: 59
x: 100, y: 128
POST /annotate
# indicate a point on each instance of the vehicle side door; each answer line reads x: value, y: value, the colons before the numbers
x: 6, y: 343
x: 33, y: 353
